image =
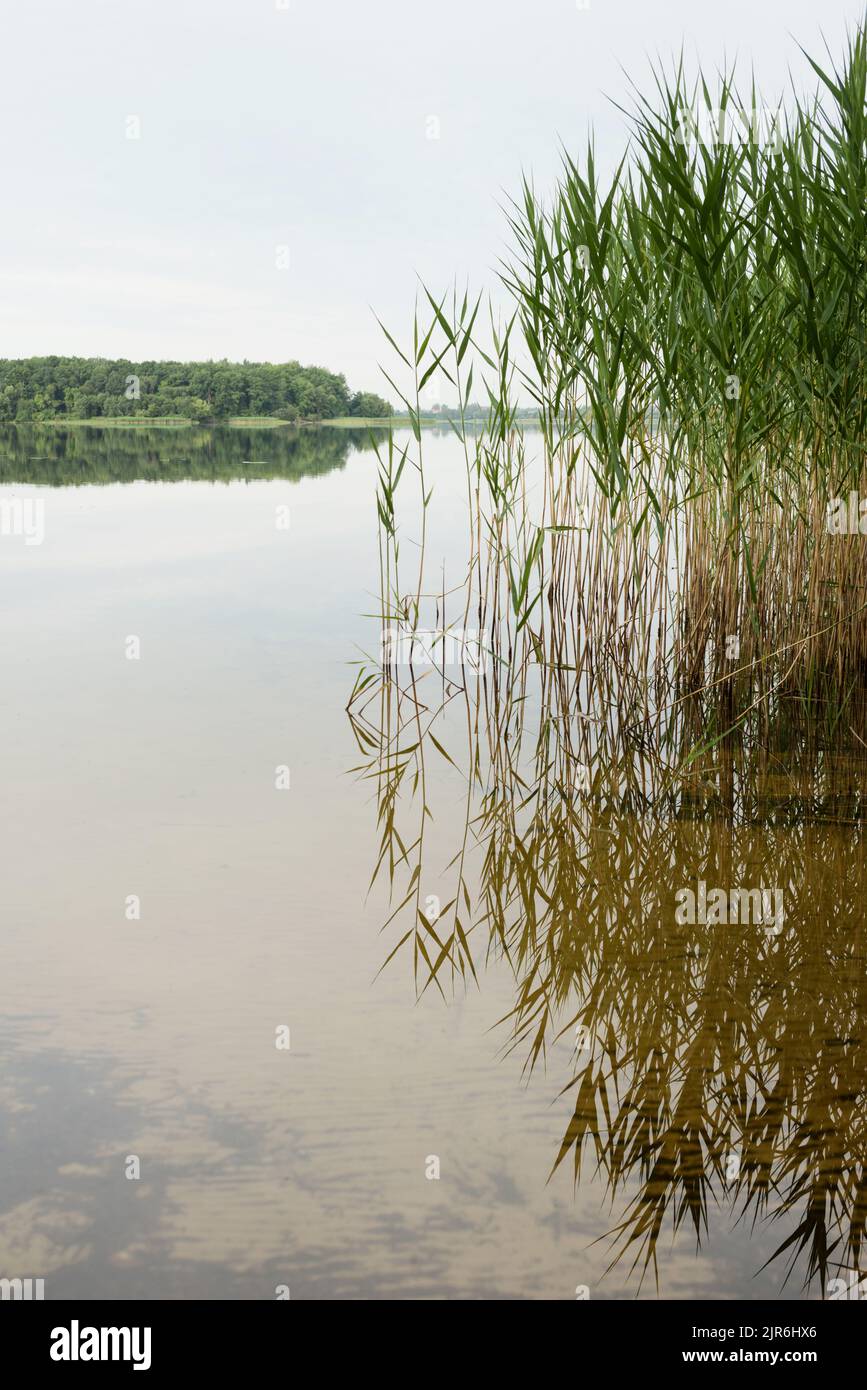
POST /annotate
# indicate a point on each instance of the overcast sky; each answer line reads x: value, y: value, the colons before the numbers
x: 305, y: 131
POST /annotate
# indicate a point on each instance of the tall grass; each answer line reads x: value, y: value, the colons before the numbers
x: 677, y: 675
x: 694, y: 333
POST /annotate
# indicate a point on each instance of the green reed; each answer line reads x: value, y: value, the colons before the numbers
x: 692, y: 330
x: 676, y: 682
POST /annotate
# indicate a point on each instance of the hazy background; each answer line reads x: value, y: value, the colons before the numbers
x: 307, y: 125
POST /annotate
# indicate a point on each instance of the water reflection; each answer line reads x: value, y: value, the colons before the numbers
x: 60, y: 457
x: 699, y: 939
x: 308, y: 1168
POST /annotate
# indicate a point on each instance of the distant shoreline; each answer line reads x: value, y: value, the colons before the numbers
x: 159, y: 422
x: 182, y: 422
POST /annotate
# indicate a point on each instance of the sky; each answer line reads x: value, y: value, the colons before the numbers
x: 258, y: 179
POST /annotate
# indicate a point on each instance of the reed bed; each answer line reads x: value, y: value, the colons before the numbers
x: 674, y: 682
x: 693, y: 335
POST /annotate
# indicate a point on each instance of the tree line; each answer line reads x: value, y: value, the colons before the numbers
x: 85, y: 388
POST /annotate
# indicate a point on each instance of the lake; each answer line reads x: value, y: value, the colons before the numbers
x: 192, y: 946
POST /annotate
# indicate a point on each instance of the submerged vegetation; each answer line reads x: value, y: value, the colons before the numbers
x: 667, y: 682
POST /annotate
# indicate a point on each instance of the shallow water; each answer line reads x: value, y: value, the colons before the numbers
x: 155, y: 1036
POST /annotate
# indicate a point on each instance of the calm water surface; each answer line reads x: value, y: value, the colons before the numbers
x: 156, y: 1037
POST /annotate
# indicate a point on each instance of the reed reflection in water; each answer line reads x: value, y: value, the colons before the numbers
x: 716, y: 1061
x: 668, y: 861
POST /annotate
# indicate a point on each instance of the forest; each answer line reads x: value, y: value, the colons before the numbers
x: 87, y: 388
